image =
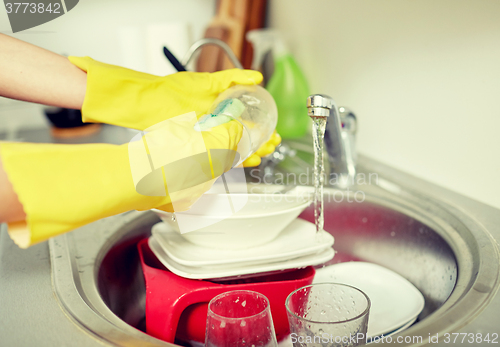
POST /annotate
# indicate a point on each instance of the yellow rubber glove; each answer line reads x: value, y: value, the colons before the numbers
x: 264, y: 150
x: 133, y: 99
x: 63, y: 187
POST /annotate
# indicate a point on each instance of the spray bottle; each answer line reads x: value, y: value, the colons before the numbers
x: 287, y: 85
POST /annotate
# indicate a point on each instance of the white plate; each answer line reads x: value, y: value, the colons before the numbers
x: 287, y: 342
x: 233, y: 270
x: 394, y: 300
x: 299, y: 238
x: 400, y: 329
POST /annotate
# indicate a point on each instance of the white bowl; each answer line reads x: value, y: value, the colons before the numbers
x: 236, y: 221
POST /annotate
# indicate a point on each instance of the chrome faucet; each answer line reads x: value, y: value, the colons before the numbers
x: 339, y: 138
x: 210, y: 41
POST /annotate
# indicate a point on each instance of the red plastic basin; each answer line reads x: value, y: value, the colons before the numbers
x: 177, y: 306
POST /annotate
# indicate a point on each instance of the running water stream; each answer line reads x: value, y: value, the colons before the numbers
x: 318, y: 133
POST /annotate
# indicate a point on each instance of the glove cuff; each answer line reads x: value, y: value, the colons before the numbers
x: 63, y: 187
x: 111, y: 90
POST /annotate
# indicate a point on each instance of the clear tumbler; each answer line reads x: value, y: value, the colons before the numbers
x: 257, y: 112
x: 240, y: 318
x: 328, y: 314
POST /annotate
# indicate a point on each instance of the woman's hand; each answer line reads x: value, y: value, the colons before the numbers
x: 264, y: 150
x: 133, y: 99
x: 63, y: 187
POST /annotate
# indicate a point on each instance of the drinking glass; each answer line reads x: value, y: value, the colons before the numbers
x: 328, y: 314
x: 240, y: 318
x: 259, y: 116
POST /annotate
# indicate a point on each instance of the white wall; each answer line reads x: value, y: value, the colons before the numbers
x: 422, y: 76
x: 94, y: 28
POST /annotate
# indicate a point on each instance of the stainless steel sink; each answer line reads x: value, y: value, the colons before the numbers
x: 440, y: 241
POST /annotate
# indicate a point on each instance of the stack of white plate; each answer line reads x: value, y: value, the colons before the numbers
x: 298, y: 245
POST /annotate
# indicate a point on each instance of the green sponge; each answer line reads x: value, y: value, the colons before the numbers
x: 226, y: 111
x: 232, y: 107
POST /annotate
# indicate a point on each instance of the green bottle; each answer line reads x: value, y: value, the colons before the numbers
x: 289, y: 88
x: 287, y: 85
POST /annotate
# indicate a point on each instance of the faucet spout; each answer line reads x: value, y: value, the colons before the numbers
x: 210, y: 41
x: 338, y: 143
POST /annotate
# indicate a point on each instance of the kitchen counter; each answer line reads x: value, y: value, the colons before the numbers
x: 30, y: 314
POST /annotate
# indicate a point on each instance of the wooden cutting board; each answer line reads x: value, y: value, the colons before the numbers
x: 211, y: 56
x: 255, y: 20
x: 229, y: 25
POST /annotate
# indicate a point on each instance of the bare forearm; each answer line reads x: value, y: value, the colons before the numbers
x: 33, y: 74
x: 11, y: 209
